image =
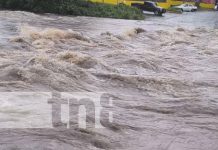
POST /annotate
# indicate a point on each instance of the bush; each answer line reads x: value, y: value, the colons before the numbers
x: 74, y: 7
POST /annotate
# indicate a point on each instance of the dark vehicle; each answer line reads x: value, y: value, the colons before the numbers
x: 150, y: 6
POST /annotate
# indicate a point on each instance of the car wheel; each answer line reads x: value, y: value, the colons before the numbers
x: 156, y: 12
x: 192, y: 10
x: 160, y: 14
x: 181, y: 10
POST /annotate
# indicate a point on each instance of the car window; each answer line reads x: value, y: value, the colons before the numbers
x: 149, y: 4
x: 146, y: 4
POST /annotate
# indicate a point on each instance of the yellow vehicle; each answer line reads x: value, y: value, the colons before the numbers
x: 162, y: 3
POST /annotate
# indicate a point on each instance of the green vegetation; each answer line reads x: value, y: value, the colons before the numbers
x: 73, y: 7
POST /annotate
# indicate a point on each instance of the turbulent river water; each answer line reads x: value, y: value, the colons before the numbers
x: 162, y: 74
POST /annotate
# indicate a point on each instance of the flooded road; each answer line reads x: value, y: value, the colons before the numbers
x: 162, y: 74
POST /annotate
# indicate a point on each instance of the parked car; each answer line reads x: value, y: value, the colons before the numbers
x: 150, y: 6
x: 187, y: 7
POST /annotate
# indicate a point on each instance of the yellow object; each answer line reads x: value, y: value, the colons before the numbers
x: 165, y: 5
x: 209, y: 6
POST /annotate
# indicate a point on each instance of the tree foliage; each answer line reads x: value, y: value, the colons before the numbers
x: 73, y: 7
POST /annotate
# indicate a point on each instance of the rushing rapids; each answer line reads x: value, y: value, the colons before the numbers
x: 164, y: 80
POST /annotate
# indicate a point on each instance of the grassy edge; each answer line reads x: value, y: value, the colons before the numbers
x: 74, y: 7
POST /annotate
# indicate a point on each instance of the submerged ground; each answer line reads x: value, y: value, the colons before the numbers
x: 161, y: 72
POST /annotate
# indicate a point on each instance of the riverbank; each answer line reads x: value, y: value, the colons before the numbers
x: 76, y: 8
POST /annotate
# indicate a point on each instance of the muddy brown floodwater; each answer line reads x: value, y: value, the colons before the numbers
x: 162, y: 74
